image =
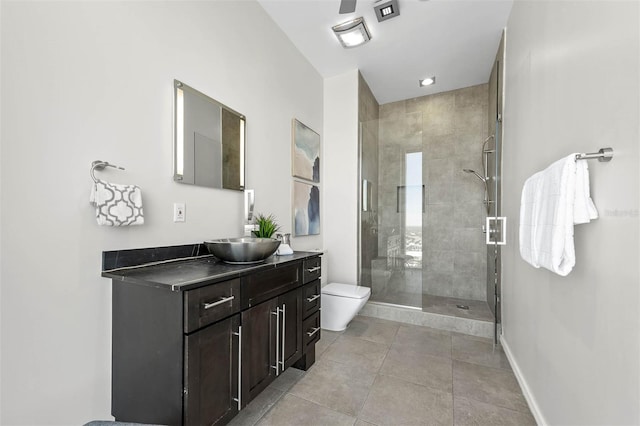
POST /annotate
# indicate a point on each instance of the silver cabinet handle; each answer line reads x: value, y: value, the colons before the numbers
x: 219, y: 302
x: 277, y: 314
x: 284, y: 323
x: 315, y: 330
x: 239, y: 398
x: 312, y: 298
x: 311, y: 270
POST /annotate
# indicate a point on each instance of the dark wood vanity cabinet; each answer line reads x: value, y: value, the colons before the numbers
x: 291, y: 328
x: 212, y: 373
x: 259, y: 363
x: 198, y: 356
x: 272, y: 331
x: 310, y: 312
x: 211, y: 353
x: 272, y: 328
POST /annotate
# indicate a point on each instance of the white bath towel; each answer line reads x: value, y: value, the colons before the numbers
x: 553, y: 200
x: 117, y: 205
x: 583, y: 208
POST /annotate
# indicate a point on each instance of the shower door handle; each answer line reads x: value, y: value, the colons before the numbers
x: 496, y: 230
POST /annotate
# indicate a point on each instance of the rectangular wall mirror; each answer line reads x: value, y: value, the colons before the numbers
x: 209, y: 141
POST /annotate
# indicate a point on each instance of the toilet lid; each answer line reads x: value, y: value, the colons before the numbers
x: 346, y: 290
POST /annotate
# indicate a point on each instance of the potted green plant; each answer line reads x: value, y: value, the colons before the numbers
x: 267, y: 226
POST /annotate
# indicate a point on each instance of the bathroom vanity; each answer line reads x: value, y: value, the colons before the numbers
x: 195, y: 339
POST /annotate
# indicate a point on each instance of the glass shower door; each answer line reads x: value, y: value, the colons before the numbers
x: 494, y: 229
x: 493, y: 161
x: 392, y: 202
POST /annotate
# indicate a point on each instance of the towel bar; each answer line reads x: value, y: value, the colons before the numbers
x: 100, y: 165
x: 605, y: 154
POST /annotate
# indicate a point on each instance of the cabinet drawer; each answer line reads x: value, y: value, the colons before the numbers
x: 311, y: 330
x: 206, y: 305
x: 310, y: 298
x: 311, y: 269
x: 257, y: 288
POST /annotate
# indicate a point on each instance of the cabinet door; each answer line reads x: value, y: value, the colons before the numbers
x: 259, y: 326
x: 211, y: 373
x: 291, y: 332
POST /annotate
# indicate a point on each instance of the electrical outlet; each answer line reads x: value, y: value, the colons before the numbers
x: 179, y: 214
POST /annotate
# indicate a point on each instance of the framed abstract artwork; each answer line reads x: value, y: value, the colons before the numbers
x: 306, y: 209
x: 306, y: 152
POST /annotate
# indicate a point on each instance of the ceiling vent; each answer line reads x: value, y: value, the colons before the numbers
x: 387, y: 10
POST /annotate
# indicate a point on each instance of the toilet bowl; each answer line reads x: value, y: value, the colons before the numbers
x: 340, y: 303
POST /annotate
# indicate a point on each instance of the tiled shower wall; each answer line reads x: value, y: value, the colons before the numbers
x: 449, y: 128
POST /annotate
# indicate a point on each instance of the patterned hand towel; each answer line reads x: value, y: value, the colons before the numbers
x: 117, y: 205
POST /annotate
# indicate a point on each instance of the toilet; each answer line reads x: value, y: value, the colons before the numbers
x: 340, y: 303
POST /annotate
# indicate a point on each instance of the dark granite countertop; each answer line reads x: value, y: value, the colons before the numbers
x: 187, y: 274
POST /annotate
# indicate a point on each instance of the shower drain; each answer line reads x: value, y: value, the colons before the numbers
x: 465, y: 307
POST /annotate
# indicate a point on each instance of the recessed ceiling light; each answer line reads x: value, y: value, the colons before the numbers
x: 352, y: 33
x: 427, y: 81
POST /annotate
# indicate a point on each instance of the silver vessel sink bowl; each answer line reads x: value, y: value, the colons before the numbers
x: 242, y: 250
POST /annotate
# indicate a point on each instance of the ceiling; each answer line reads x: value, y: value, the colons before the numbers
x: 454, y: 40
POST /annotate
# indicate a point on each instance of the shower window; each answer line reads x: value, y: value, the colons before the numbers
x: 411, y: 204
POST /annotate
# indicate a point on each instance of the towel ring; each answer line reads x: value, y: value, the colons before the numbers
x: 100, y: 165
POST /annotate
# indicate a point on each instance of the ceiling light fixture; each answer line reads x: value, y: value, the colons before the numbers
x: 427, y: 81
x: 352, y: 33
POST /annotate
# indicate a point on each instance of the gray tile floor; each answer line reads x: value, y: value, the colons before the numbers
x: 380, y: 372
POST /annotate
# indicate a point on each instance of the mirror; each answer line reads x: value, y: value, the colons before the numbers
x: 209, y: 141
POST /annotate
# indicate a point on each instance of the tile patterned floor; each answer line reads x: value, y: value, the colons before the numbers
x: 380, y: 372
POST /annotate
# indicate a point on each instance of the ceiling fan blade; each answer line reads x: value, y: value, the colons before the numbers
x: 347, y: 6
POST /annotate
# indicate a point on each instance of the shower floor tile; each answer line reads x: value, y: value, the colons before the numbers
x: 478, y: 310
x: 405, y: 289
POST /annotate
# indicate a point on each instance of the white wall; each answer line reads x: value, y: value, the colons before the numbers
x: 572, y: 86
x: 341, y: 177
x: 94, y: 80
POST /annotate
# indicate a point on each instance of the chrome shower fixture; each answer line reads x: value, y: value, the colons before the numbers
x: 486, y: 187
x: 483, y: 179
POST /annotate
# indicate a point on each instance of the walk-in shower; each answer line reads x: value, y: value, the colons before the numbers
x: 422, y: 241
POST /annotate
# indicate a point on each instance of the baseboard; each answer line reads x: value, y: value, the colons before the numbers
x: 531, y: 400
